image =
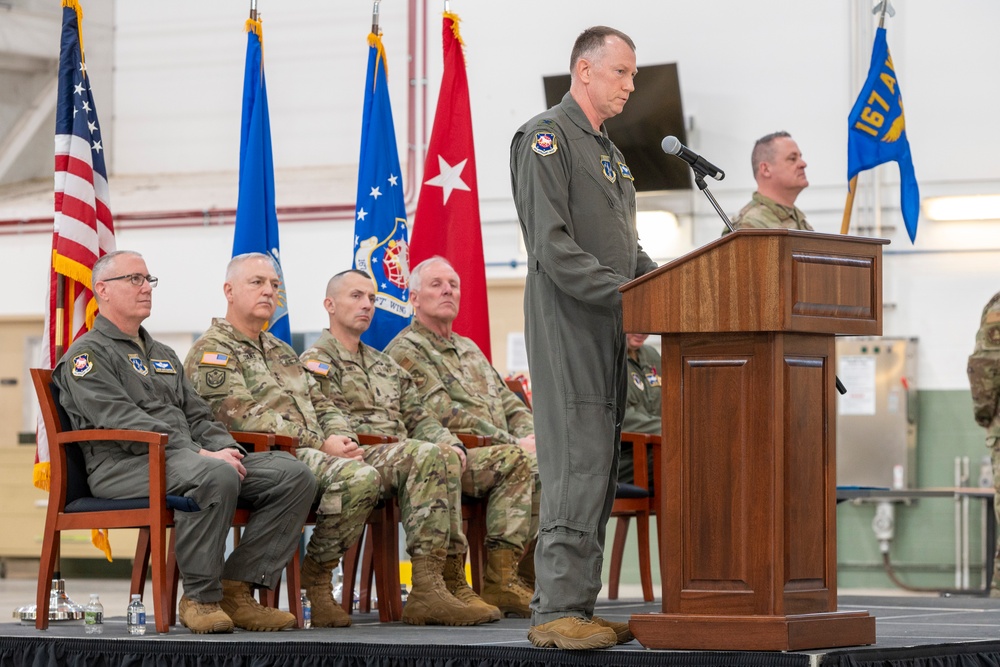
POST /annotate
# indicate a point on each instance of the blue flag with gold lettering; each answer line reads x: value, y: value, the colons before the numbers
x: 877, y: 131
x: 256, y: 215
x: 380, y: 236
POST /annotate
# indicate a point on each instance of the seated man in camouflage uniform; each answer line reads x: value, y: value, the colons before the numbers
x: 117, y: 376
x: 780, y: 173
x: 458, y: 385
x: 380, y: 397
x: 984, y: 379
x: 254, y: 382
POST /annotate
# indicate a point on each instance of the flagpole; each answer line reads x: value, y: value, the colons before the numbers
x: 253, y: 10
x: 375, y: 17
x: 852, y: 186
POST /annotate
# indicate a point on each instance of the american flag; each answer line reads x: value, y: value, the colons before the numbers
x: 83, y: 230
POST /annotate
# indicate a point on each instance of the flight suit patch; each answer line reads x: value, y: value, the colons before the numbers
x: 82, y: 365
x: 138, y: 364
x: 163, y: 366
x: 653, y: 379
x: 609, y: 172
x: 544, y: 143
x: 637, y: 381
x: 215, y: 377
x: 626, y: 172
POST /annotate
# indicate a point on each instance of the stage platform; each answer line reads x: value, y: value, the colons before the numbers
x: 918, y: 631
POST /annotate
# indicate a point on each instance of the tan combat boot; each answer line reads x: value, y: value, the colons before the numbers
x: 572, y: 633
x: 247, y: 613
x: 526, y: 568
x: 503, y: 587
x: 458, y: 585
x: 317, y: 579
x: 430, y: 603
x: 622, y: 631
x: 203, y: 617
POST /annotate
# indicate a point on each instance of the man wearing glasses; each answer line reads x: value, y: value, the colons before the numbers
x: 117, y: 377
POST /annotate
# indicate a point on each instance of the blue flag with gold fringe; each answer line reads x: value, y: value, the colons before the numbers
x: 256, y: 214
x: 381, y: 248
x: 877, y: 131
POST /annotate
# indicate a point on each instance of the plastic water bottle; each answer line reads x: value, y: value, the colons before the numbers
x: 135, y: 617
x: 307, y: 610
x: 93, y: 616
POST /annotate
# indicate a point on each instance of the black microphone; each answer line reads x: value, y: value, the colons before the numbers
x: 672, y: 146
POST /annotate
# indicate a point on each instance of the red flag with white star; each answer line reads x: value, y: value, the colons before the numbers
x: 447, y: 220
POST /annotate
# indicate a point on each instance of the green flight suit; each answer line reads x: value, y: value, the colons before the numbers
x: 643, y: 406
x: 108, y: 380
x: 576, y: 204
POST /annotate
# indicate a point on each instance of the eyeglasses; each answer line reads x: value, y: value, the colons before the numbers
x: 137, y: 279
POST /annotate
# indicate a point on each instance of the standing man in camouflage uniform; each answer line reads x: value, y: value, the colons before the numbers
x: 254, y: 382
x: 117, y: 376
x: 780, y: 173
x: 458, y: 385
x: 643, y: 406
x: 378, y: 396
x: 576, y: 204
x: 984, y: 379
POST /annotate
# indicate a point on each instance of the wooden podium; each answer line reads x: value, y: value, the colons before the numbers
x: 749, y: 539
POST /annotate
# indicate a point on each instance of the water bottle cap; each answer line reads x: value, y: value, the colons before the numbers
x: 136, y: 596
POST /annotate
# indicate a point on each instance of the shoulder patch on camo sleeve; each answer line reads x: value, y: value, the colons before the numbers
x: 318, y: 367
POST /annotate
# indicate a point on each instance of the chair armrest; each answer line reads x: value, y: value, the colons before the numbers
x: 253, y: 441
x: 286, y: 443
x: 375, y: 439
x: 472, y: 441
x: 94, y: 434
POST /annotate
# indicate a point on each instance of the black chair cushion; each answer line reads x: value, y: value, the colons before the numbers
x: 177, y: 503
x: 630, y: 491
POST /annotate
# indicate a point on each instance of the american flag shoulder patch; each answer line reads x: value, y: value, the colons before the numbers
x: 214, y: 359
x: 318, y: 367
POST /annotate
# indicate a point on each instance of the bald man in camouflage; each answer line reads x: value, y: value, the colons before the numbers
x: 984, y: 380
x: 379, y: 397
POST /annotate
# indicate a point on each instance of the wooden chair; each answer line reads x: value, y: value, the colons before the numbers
x: 381, y: 533
x: 474, y: 527
x: 518, y: 389
x: 72, y: 506
x: 637, y: 501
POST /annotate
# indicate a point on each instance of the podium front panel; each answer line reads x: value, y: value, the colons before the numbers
x: 747, y: 510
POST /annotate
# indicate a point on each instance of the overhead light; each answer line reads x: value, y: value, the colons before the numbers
x: 964, y: 207
x: 658, y: 232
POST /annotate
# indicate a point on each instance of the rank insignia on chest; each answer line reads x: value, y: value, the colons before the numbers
x: 215, y: 377
x: 214, y: 359
x: 626, y: 172
x: 609, y: 173
x: 637, y: 381
x: 653, y: 379
x: 163, y: 366
x: 82, y: 365
x: 318, y: 367
x: 138, y: 364
x: 544, y: 143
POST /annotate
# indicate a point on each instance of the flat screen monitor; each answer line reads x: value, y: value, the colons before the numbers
x: 652, y: 112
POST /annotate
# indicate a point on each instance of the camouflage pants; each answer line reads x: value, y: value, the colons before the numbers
x: 993, y: 443
x: 346, y: 492
x: 417, y: 474
x: 502, y: 472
